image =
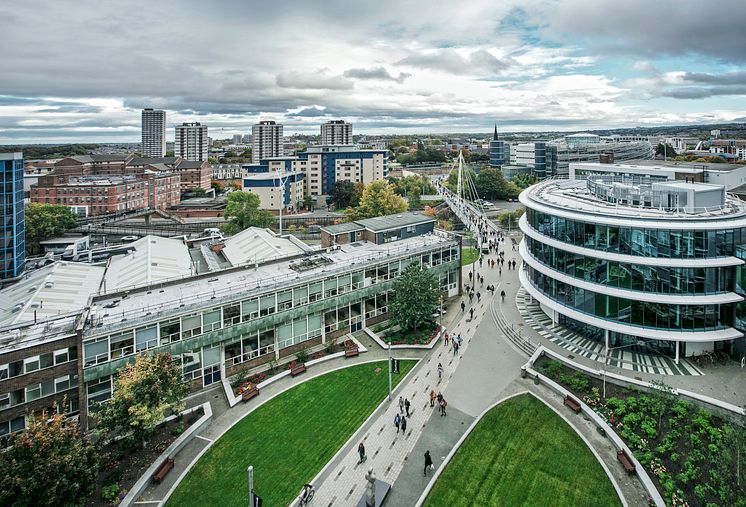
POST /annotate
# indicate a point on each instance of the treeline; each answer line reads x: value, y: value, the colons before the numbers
x: 60, y: 151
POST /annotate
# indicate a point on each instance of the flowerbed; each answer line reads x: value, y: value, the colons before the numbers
x: 694, y: 457
x: 419, y: 337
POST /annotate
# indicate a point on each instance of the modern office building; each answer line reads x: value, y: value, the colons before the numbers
x: 323, y: 166
x: 153, y: 133
x: 277, y: 189
x: 539, y: 156
x: 336, y: 132
x: 630, y: 261
x: 582, y: 139
x: 13, y: 252
x: 190, y: 142
x: 731, y: 176
x: 592, y: 152
x: 499, y: 152
x: 266, y: 141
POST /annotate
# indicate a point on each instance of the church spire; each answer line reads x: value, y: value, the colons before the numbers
x: 494, y: 137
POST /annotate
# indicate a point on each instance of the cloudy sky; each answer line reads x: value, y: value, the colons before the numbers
x: 80, y: 70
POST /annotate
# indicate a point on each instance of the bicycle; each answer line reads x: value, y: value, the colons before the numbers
x: 306, y: 495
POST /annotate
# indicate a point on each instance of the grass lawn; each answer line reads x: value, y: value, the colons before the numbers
x: 468, y: 255
x: 288, y: 440
x: 522, y: 453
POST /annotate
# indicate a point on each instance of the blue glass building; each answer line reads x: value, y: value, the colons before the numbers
x: 499, y: 152
x: 13, y: 252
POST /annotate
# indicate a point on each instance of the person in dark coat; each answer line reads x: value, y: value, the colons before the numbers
x: 397, y: 422
x: 428, y: 461
x: 404, y: 425
x: 361, y: 452
x: 406, y: 406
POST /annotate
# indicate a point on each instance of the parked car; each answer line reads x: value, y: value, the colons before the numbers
x: 129, y: 238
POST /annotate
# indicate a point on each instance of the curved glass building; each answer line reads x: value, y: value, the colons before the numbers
x: 626, y: 260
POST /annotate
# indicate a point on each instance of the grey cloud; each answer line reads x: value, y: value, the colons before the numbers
x: 308, y: 112
x: 694, y: 92
x: 313, y: 81
x: 376, y: 73
x: 725, y: 79
x: 642, y: 27
x: 449, y: 60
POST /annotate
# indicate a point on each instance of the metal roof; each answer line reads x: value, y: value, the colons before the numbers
x: 342, y: 228
x: 257, y: 245
x: 388, y: 222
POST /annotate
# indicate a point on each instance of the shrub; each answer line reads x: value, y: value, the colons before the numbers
x: 178, y: 429
x: 110, y: 493
x: 552, y: 368
x: 302, y: 355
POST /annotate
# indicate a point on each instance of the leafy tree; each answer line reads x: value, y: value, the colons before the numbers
x: 409, y: 186
x: 524, y: 180
x: 423, y: 154
x: 378, y: 199
x: 217, y: 185
x: 491, y: 184
x: 242, y: 211
x: 346, y: 193
x: 415, y: 298
x: 169, y: 153
x: 45, y: 221
x: 198, y: 192
x: 50, y: 463
x: 667, y: 149
x: 510, y: 219
x: 308, y: 202
x: 145, y: 392
x: 235, y: 185
x: 213, y: 160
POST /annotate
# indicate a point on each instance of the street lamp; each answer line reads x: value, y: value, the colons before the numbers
x: 606, y: 357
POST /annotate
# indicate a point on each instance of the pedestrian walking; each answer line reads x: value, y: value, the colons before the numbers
x: 471, y: 275
x: 471, y: 297
x: 397, y: 422
x: 480, y: 262
x: 443, y: 405
x: 404, y: 425
x: 446, y: 337
x: 361, y: 452
x: 460, y: 341
x: 439, y: 398
x: 471, y: 313
x: 440, y: 372
x: 502, y: 295
x: 432, y: 397
x: 428, y: 461
x: 401, y: 404
x: 479, y: 296
x: 463, y: 306
x: 406, y: 406
x: 500, y: 272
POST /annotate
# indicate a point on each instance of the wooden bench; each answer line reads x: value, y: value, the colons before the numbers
x: 247, y: 395
x: 297, y: 369
x: 352, y: 352
x: 572, y: 403
x: 626, y: 461
x: 162, y: 470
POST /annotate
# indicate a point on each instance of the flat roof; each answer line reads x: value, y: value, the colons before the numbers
x: 387, y: 222
x: 678, y: 165
x: 342, y: 228
x: 196, y: 293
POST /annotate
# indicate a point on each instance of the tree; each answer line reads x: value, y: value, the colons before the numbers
x: 45, y: 221
x: 378, y: 199
x: 415, y: 298
x: 242, y: 211
x: 50, y: 463
x: 667, y: 149
x: 410, y: 186
x: 346, y: 193
x: 145, y: 392
x: 199, y: 192
x: 217, y: 185
x: 730, y: 462
x: 510, y: 219
x: 308, y: 202
x: 169, y: 153
x: 491, y: 184
x: 523, y: 181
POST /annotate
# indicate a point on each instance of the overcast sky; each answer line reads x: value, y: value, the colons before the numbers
x: 81, y: 70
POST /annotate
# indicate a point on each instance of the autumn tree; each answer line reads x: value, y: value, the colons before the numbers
x: 242, y: 211
x: 346, y: 193
x: 415, y: 298
x: 145, y: 392
x: 51, y: 462
x: 378, y: 199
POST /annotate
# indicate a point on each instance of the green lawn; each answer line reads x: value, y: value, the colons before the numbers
x: 522, y: 453
x: 288, y: 440
x: 468, y: 255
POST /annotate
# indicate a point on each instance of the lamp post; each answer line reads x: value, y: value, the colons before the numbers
x: 606, y: 358
x: 251, y: 486
x: 391, y: 367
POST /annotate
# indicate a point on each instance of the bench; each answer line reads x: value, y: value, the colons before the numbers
x: 572, y: 403
x: 247, y: 395
x: 162, y: 470
x: 352, y: 352
x: 297, y: 369
x: 626, y: 461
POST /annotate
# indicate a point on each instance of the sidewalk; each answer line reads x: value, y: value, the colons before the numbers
x: 343, y: 482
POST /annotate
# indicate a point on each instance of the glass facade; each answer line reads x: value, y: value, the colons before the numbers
x: 645, y: 242
x: 650, y: 279
x: 632, y: 311
x: 13, y: 251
